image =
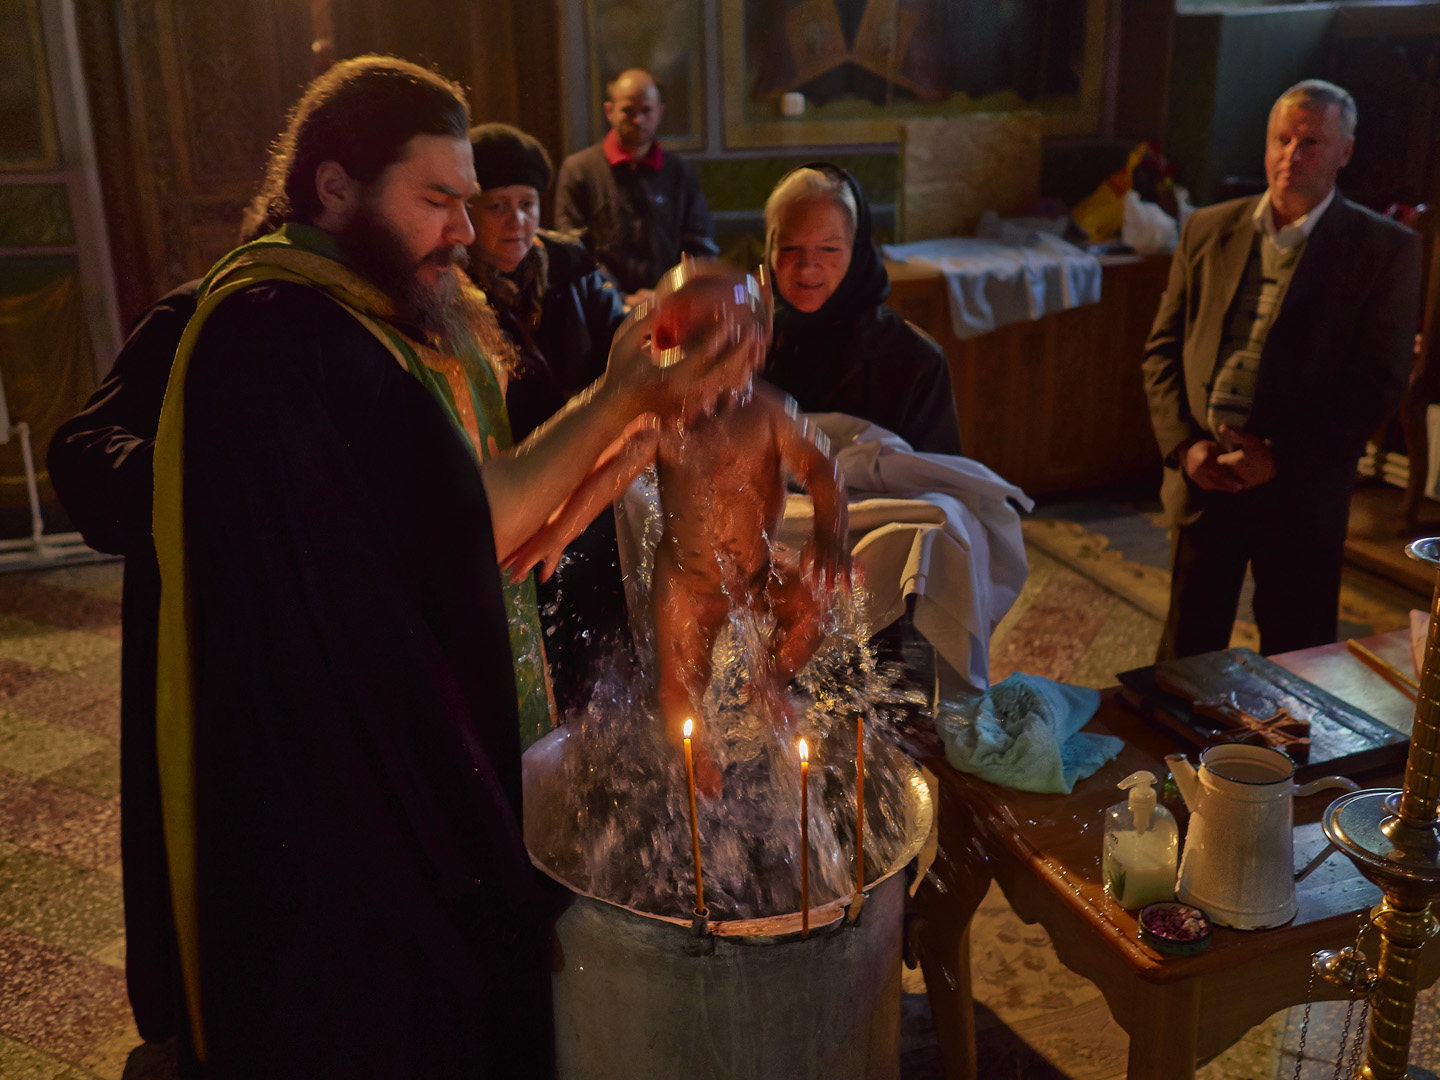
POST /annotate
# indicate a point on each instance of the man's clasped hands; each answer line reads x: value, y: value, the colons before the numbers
x: 1234, y: 462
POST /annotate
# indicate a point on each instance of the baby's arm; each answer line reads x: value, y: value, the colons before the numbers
x: 805, y: 450
x: 621, y: 462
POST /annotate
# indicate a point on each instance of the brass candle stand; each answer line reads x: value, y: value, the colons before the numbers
x: 1393, y: 838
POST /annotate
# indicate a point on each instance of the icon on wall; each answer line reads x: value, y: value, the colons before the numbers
x: 866, y: 66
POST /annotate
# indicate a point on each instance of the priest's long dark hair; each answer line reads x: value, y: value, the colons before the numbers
x: 808, y: 345
x: 360, y: 113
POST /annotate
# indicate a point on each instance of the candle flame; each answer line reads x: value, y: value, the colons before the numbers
x: 804, y: 751
x: 689, y: 727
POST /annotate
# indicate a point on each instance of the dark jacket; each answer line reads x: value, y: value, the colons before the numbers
x: 888, y: 371
x: 856, y: 356
x: 101, y: 459
x: 581, y: 311
x: 635, y: 220
x: 582, y: 606
x: 1335, y: 360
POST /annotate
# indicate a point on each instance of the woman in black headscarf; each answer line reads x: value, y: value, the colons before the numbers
x: 560, y: 311
x: 837, y: 347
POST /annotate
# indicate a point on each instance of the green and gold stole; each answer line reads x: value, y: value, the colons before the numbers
x: 472, y: 399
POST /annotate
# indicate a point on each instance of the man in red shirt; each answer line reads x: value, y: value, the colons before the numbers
x: 636, y: 207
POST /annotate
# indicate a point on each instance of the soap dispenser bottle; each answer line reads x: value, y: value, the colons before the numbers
x: 1141, y: 846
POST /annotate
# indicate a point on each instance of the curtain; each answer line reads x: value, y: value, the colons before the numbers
x: 47, y: 370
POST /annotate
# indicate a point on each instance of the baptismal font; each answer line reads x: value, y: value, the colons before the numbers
x: 1393, y: 838
x: 783, y: 958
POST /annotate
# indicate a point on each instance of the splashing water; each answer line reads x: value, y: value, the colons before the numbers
x: 621, y: 827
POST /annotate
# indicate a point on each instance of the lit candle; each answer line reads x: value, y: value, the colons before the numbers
x: 804, y: 840
x: 859, y: 803
x: 694, y: 821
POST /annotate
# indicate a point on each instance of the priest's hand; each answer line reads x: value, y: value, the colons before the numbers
x: 1204, y: 464
x: 621, y: 462
x: 529, y: 484
x: 726, y: 358
x: 1249, y: 457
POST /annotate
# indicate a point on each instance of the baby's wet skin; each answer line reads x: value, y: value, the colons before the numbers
x: 722, y: 490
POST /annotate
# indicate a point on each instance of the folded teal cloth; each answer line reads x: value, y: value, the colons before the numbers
x: 1025, y: 733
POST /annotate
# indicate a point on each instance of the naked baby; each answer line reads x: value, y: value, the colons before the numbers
x: 722, y: 491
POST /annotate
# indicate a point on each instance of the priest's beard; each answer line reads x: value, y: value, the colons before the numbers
x: 453, y: 314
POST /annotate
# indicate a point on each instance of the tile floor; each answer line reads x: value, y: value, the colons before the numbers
x: 63, y: 1009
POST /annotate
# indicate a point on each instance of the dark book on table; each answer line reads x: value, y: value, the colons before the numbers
x: 1219, y: 697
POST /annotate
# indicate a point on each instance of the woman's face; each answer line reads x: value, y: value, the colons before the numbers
x: 812, y: 252
x: 505, y: 222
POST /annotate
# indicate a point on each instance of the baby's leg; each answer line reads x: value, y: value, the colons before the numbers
x: 688, y: 616
x: 800, y: 607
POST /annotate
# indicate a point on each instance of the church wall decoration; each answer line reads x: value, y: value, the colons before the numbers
x: 866, y: 66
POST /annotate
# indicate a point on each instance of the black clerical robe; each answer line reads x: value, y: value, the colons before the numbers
x: 100, y: 464
x: 363, y: 900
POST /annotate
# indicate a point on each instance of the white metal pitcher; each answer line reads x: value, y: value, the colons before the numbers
x: 1238, y: 865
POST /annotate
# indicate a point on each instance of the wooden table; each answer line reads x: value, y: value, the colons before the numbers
x: 1044, y: 852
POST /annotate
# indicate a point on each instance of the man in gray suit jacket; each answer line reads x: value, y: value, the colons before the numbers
x: 1283, y: 340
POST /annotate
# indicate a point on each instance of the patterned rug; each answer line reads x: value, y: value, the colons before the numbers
x: 1123, y: 548
x: 63, y: 1009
